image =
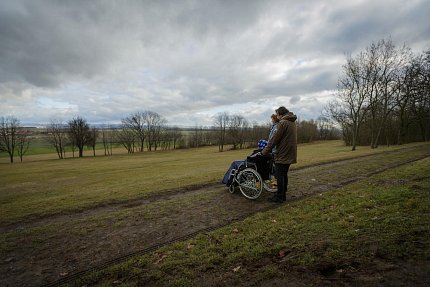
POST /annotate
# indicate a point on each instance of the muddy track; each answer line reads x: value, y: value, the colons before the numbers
x: 142, y: 225
x: 36, y: 221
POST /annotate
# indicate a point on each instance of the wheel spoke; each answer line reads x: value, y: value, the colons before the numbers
x: 250, y: 183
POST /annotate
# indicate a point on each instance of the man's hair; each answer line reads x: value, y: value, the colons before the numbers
x: 282, y: 111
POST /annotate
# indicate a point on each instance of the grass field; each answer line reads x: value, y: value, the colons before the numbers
x: 372, y: 233
x: 56, y: 209
x: 42, y: 187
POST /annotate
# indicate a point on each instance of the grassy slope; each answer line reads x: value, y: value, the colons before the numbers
x: 367, y: 233
x: 54, y: 186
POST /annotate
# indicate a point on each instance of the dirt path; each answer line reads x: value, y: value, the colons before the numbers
x: 53, y: 249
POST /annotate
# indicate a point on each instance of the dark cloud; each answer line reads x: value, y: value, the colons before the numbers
x: 46, y: 43
x: 196, y: 56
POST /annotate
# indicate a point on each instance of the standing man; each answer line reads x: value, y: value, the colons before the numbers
x: 285, y: 140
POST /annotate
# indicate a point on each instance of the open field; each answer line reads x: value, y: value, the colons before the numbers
x: 63, y: 216
x: 45, y: 187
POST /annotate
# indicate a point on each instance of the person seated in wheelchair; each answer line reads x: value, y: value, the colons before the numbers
x: 262, y: 163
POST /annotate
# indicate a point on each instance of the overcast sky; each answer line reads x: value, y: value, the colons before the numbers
x: 188, y: 60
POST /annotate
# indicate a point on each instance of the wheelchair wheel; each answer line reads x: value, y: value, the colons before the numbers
x: 250, y: 183
x: 270, y: 185
x: 232, y: 188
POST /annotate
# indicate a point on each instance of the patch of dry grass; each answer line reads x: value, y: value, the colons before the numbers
x: 44, y: 187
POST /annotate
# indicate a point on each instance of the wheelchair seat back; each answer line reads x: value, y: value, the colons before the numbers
x: 263, y: 165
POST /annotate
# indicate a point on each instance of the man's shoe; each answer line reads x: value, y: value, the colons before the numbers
x: 276, y: 200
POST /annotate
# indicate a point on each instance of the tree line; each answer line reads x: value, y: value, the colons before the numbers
x: 383, y: 96
x: 148, y: 131
x: 238, y: 132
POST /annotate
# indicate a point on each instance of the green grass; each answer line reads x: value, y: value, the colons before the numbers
x: 42, y: 187
x: 385, y: 217
x: 40, y: 145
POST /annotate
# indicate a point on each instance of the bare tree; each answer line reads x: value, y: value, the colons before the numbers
x: 146, y: 126
x: 420, y: 104
x: 127, y: 138
x: 408, y: 89
x: 170, y: 138
x: 221, y: 122
x: 72, y: 144
x: 165, y: 139
x: 388, y: 62
x: 136, y: 124
x: 385, y: 94
x: 79, y: 133
x: 58, y: 137
x: 9, y: 127
x: 154, y: 123
x: 107, y: 137
x: 196, y: 137
x: 244, y: 133
x: 354, y: 88
x: 175, y: 136
x: 338, y: 113
x: 92, y: 139
x: 326, y: 129
x: 23, y: 142
x: 307, y: 131
x: 237, y: 127
x: 159, y: 133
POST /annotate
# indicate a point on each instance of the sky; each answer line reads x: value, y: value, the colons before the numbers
x: 188, y: 60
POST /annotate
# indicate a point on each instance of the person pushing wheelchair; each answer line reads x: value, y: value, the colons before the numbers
x: 285, y: 141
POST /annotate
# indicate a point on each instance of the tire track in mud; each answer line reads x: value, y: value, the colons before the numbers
x: 35, y: 221
x: 62, y: 260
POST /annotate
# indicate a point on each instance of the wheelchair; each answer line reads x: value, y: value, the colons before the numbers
x: 253, y: 176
